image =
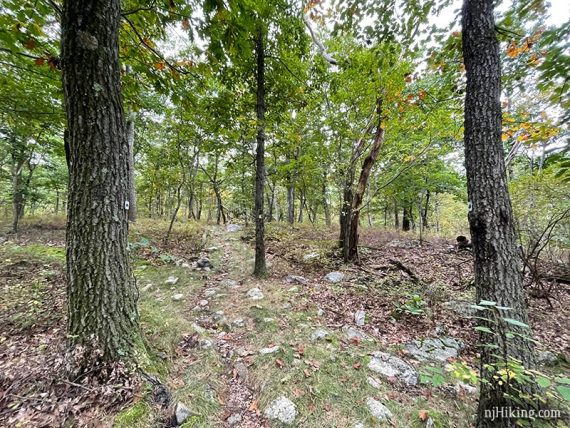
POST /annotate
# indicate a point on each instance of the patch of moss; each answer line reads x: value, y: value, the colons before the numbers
x: 137, y: 415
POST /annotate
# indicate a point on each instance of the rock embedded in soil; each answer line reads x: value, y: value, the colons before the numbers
x: 283, y: 410
x: 204, y: 262
x: 378, y: 410
x: 182, y: 413
x: 234, y: 419
x: 270, y: 350
x: 172, y: 280
x: 373, y: 382
x: 547, y: 358
x: 230, y: 283
x: 391, y: 366
x: 209, y: 292
x: 438, y: 349
x: 359, y: 317
x: 319, y: 334
x: 334, y: 277
x: 178, y: 297
x: 233, y: 228
x: 310, y: 256
x: 146, y: 288
x: 255, y: 294
x: 354, y: 334
x: 297, y: 279
x: 203, y: 302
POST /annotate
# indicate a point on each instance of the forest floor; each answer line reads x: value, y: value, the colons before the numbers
x: 298, y: 346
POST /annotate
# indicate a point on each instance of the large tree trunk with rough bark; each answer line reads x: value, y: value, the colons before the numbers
x: 260, y: 267
x: 101, y: 291
x: 497, y: 260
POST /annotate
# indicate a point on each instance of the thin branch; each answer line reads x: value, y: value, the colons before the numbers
x: 319, y: 44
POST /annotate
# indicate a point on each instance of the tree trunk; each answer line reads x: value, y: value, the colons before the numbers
x: 17, y: 194
x: 132, y: 190
x: 425, y: 211
x: 101, y: 291
x: 260, y: 269
x: 497, y: 261
x: 326, y: 206
x: 396, y: 216
x: 406, y: 224
x: 301, y: 205
x: 291, y: 204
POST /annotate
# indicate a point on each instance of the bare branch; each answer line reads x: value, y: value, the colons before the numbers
x: 317, y: 42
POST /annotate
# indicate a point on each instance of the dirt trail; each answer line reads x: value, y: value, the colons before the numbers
x: 230, y: 280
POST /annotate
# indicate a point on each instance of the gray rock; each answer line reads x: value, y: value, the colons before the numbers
x: 204, y: 262
x: 206, y: 344
x: 203, y: 303
x: 178, y: 297
x: 430, y: 423
x: 186, y: 265
x: 239, y: 322
x: 212, y: 249
x: 296, y: 279
x: 283, y: 410
x: 461, y: 307
x: 463, y: 388
x: 439, y: 349
x: 373, y: 382
x: 146, y: 288
x: 268, y: 320
x: 234, y: 419
x: 293, y: 289
x: 255, y: 294
x: 182, y: 413
x: 198, y: 329
x: 311, y: 256
x: 378, y: 410
x: 547, y: 358
x: 241, y: 370
x: 391, y: 366
x: 359, y: 317
x: 334, y: 277
x: 230, y: 283
x: 242, y: 352
x: 218, y: 315
x: 233, y: 228
x: 358, y: 425
x: 270, y: 350
x: 320, y: 312
x: 172, y: 280
x: 319, y: 334
x: 209, y: 292
x: 354, y: 334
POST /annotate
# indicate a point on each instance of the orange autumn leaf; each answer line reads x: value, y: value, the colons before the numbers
x: 40, y: 61
x: 423, y: 415
x: 160, y: 65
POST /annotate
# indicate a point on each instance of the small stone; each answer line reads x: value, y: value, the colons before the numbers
x: 297, y: 279
x: 198, y: 329
x: 207, y: 269
x: 283, y: 410
x: 209, y: 292
x: 178, y: 297
x: 319, y: 334
x: 286, y: 306
x: 230, y: 283
x: 203, y: 303
x: 547, y: 358
x: 270, y: 350
x: 311, y: 256
x: 218, y: 315
x: 430, y: 423
x: 391, y: 366
x: 182, y: 413
x: 358, y: 425
x: 233, y: 228
x: 186, y: 265
x: 241, y: 370
x: 146, y: 288
x: 354, y: 334
x: 373, y: 382
x: 172, y: 280
x: 255, y: 294
x: 293, y: 289
x: 334, y: 277
x: 268, y: 320
x: 464, y: 388
x: 234, y: 419
x: 212, y: 249
x: 206, y: 344
x: 359, y: 317
x: 320, y: 312
x: 239, y: 322
x: 241, y: 351
x: 440, y: 349
x: 378, y: 410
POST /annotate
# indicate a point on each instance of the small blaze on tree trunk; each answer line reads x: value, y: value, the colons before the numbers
x: 260, y: 267
x: 101, y: 291
x: 497, y: 260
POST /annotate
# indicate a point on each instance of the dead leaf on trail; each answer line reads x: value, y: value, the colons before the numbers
x: 423, y: 415
x: 254, y: 406
x: 356, y: 365
x: 279, y: 363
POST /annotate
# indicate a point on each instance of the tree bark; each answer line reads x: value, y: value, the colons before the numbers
x: 291, y: 203
x: 497, y: 260
x: 101, y: 291
x: 406, y: 223
x: 132, y: 190
x: 260, y: 268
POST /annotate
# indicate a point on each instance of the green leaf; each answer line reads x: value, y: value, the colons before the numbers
x: 516, y: 322
x: 543, y: 382
x: 564, y: 391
